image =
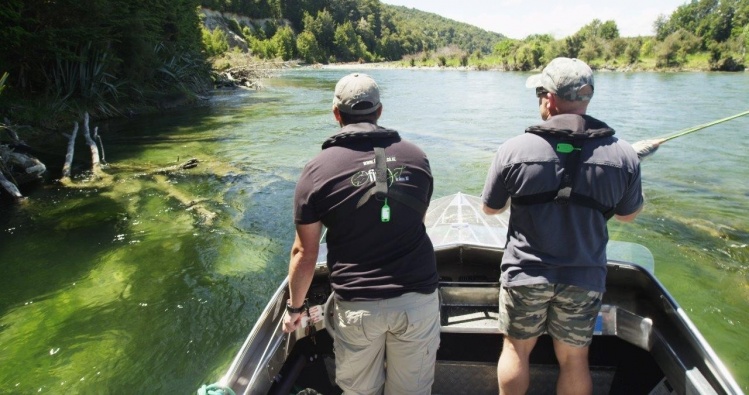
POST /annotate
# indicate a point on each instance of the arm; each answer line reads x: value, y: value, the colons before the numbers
x: 491, y: 211
x: 628, y: 217
x: 301, y: 269
x: 495, y: 192
x: 646, y: 148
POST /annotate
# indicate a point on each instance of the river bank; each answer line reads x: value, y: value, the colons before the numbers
x: 401, y: 64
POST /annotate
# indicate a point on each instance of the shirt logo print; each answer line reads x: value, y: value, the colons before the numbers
x: 368, y: 176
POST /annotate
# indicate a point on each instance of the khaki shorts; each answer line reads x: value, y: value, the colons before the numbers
x: 566, y: 312
x: 405, y: 331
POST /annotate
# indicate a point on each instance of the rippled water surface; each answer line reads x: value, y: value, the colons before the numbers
x: 151, y: 282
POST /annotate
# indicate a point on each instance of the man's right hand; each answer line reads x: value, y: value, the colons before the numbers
x: 645, y: 148
x: 291, y: 321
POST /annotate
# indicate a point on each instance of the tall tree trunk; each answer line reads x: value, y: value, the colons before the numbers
x: 69, y: 155
x: 95, y: 166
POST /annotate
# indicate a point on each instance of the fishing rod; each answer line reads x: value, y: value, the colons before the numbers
x: 647, y: 147
x: 700, y: 127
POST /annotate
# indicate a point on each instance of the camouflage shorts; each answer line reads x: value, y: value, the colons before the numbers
x: 566, y: 312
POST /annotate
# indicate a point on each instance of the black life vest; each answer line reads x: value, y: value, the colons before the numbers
x: 380, y: 188
x: 573, y: 131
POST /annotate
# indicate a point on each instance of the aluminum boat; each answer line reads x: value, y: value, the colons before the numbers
x: 644, y: 343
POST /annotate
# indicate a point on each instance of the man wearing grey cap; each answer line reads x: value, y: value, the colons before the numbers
x: 564, y: 179
x: 370, y: 188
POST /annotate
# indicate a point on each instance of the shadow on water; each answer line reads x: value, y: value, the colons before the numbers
x: 195, y: 290
x: 103, y: 284
x: 71, y: 220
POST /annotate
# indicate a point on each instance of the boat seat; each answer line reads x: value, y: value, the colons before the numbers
x: 469, y: 308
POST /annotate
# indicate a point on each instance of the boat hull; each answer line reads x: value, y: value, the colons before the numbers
x: 643, y: 342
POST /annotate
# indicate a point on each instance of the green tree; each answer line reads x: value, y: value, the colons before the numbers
x: 215, y: 42
x: 616, y: 48
x: 605, y: 30
x: 673, y: 51
x: 648, y: 47
x: 284, y: 43
x: 660, y: 26
x: 572, y: 45
x: 263, y: 49
x: 322, y: 27
x: 365, y: 30
x: 609, y: 31
x: 348, y: 45
x: 740, y: 18
x: 308, y: 48
x: 592, y: 49
x: 524, y: 58
x: 505, y: 47
x: 390, y: 46
x: 632, y: 51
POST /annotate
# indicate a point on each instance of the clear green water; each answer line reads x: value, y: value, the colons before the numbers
x: 121, y: 289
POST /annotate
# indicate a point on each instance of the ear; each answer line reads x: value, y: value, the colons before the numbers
x: 379, y: 112
x: 551, y: 103
x: 337, y: 114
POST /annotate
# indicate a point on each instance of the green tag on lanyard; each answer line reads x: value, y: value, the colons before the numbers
x: 566, y: 148
x: 385, y: 212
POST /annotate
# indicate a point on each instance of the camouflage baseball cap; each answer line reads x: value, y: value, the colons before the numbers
x: 357, y: 94
x: 565, y: 77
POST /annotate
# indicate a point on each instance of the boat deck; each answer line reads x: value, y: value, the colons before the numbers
x: 467, y: 364
x: 643, y: 341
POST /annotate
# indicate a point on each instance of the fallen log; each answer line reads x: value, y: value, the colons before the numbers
x: 20, y: 167
x: 188, y: 164
x: 10, y: 188
x: 10, y: 130
x: 150, y: 171
x: 206, y: 217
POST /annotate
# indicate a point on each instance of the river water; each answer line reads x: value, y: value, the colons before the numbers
x: 128, y: 288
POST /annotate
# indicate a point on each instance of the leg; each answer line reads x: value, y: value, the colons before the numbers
x: 411, y: 346
x: 522, y: 318
x: 359, y: 342
x: 574, y: 373
x: 513, y: 369
x: 572, y: 316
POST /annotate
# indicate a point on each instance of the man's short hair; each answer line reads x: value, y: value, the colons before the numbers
x: 570, y: 79
x: 347, y: 119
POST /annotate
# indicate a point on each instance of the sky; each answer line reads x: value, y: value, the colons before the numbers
x: 521, y: 18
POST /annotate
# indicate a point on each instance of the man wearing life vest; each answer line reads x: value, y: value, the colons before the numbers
x: 563, y: 179
x: 371, y: 189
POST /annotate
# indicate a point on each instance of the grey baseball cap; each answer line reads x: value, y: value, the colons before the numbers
x: 357, y: 94
x: 565, y: 77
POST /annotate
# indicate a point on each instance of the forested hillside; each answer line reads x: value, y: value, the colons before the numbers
x: 699, y: 35
x: 705, y: 35
x: 324, y: 31
x: 64, y: 57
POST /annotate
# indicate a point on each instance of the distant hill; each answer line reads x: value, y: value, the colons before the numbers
x: 442, y: 31
x: 340, y: 30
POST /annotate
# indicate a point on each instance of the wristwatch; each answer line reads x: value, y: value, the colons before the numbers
x: 296, y: 310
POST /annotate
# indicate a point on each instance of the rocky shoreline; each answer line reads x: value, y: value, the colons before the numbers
x: 401, y: 65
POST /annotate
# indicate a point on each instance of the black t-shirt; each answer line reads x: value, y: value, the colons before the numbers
x: 370, y: 259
